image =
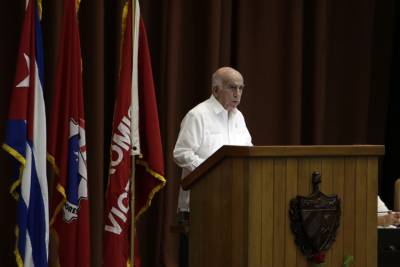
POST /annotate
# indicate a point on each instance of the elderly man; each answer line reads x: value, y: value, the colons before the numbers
x: 210, y: 125
x: 205, y: 128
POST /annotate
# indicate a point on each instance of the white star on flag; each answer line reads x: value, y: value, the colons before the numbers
x: 25, y: 82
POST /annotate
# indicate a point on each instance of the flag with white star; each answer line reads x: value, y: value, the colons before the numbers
x: 26, y: 142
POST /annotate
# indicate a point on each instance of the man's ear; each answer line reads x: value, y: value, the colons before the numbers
x: 215, y: 89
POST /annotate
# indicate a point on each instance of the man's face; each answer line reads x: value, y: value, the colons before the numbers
x: 230, y: 92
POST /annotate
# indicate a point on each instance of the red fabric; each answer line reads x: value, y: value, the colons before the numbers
x: 73, y: 236
x: 150, y: 138
x: 117, y: 207
x: 319, y: 258
x: 21, y: 106
x: 117, y: 227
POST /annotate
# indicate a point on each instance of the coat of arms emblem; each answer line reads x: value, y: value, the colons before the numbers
x: 315, y: 221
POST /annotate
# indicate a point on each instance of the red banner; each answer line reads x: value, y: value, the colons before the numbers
x: 67, y: 149
x: 149, y: 174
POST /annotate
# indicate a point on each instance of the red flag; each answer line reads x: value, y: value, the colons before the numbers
x: 149, y: 167
x: 67, y: 149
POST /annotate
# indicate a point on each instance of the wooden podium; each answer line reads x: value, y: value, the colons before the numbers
x: 240, y: 202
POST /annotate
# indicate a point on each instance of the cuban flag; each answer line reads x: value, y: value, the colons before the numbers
x: 67, y: 149
x: 26, y: 142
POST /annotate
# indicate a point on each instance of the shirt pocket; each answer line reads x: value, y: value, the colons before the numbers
x: 212, y: 142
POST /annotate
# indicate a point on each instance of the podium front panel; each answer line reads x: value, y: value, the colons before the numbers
x: 239, y: 211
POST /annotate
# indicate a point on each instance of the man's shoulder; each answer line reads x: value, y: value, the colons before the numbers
x: 200, y: 108
x: 238, y: 114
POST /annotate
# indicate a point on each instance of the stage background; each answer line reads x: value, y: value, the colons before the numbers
x: 316, y: 72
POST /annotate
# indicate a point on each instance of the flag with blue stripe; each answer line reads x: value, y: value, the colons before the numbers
x: 26, y: 142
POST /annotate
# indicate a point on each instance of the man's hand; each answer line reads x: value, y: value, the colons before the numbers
x: 391, y: 218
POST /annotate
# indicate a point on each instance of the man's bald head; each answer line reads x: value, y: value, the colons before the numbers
x: 224, y: 74
x: 227, y: 87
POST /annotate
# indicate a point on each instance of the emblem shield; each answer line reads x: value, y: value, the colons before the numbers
x: 315, y: 220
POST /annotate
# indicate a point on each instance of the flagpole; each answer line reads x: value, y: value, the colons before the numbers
x: 134, y: 61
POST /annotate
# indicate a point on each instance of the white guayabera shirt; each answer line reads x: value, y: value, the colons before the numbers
x: 205, y: 129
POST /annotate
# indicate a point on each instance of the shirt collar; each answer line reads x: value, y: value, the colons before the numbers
x: 217, y: 107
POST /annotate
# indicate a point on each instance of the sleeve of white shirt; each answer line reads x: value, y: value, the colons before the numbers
x: 381, y: 206
x: 189, y: 141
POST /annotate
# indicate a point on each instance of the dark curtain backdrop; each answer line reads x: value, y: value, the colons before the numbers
x: 316, y: 72
x: 390, y: 169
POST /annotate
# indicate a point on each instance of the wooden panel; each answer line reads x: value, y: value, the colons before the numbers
x: 279, y: 151
x: 217, y: 235
x: 291, y: 192
x: 348, y: 207
x: 338, y: 188
x: 256, y: 177
x: 210, y: 236
x: 372, y: 192
x: 304, y: 188
x: 327, y: 188
x: 267, y: 227
x: 196, y: 238
x: 216, y: 254
x: 360, y: 213
x: 280, y: 212
x: 239, y: 211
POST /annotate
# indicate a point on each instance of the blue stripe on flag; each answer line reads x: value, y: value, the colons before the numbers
x: 16, y: 135
x: 36, y: 220
x: 22, y: 211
